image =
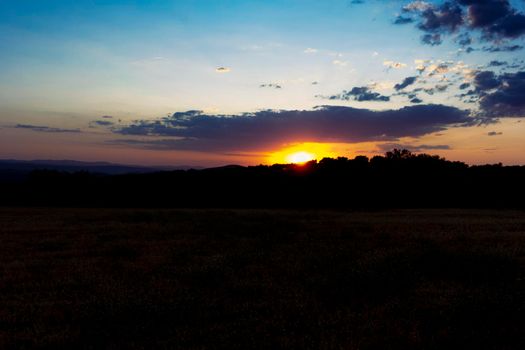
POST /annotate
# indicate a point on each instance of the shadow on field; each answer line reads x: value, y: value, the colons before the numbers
x: 245, y: 279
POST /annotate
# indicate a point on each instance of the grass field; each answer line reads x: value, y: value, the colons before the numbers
x: 261, y: 279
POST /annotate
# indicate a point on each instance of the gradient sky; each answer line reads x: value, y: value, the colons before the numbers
x: 113, y: 80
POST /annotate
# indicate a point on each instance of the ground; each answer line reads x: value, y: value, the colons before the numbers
x: 261, y: 279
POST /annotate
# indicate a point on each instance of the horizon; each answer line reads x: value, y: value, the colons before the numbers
x: 190, y: 166
x: 211, y: 83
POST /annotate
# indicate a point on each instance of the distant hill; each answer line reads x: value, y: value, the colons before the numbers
x: 12, y: 169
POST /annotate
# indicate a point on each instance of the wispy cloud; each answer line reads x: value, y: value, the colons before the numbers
x: 41, y: 128
x: 222, y: 69
x: 310, y: 50
x: 394, y: 65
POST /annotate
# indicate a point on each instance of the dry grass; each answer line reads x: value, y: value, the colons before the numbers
x: 267, y: 279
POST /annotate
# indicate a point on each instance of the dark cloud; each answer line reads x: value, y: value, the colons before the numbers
x: 500, y: 95
x: 503, y: 95
x: 194, y: 130
x: 271, y: 86
x: 486, y: 80
x: 102, y: 123
x: 512, y: 26
x: 406, y: 82
x: 45, y: 128
x: 464, y: 86
x: 484, y: 13
x: 403, y: 20
x: 464, y: 39
x: 385, y: 147
x: 495, y: 19
x: 431, y: 39
x: 497, y: 63
x: 508, y: 48
x: 494, y: 133
x: 436, y: 89
x: 416, y: 100
x: 360, y: 94
x: 447, y: 17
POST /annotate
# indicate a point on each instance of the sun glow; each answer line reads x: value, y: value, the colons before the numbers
x: 303, y: 152
x: 300, y: 157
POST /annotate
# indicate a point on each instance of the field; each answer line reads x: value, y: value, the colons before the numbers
x: 261, y: 279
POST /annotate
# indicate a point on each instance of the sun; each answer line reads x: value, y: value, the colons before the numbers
x: 300, y: 153
x: 300, y: 157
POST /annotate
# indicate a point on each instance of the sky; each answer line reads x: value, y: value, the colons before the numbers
x: 208, y: 83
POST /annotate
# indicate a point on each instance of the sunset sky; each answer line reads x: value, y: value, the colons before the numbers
x: 205, y: 83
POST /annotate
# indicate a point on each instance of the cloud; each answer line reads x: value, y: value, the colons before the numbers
x: 464, y: 39
x: 448, y: 17
x: 417, y: 6
x: 194, y: 130
x: 40, y: 128
x: 222, y: 70
x: 403, y: 20
x: 421, y: 65
x: 102, y: 123
x: 385, y: 147
x: 494, y: 133
x: 439, y: 68
x: 406, y: 82
x: 494, y: 19
x: 432, y: 39
x: 436, y: 89
x: 310, y: 50
x: 508, y: 48
x: 360, y: 94
x: 340, y: 63
x: 496, y: 63
x: 486, y: 80
x: 501, y: 95
x: 271, y: 86
x: 394, y: 65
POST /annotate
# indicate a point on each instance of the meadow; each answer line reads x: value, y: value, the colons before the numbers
x: 261, y: 279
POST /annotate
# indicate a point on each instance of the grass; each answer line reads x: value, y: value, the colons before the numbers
x: 261, y: 279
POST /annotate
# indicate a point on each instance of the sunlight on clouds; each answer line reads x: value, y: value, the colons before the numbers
x: 394, y: 65
x: 382, y: 85
x: 418, y: 6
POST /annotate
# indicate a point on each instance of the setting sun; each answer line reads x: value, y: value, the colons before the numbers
x: 303, y: 152
x: 300, y: 157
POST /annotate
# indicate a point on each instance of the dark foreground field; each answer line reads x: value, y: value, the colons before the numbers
x: 244, y: 279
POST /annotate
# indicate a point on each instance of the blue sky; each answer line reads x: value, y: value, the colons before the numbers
x: 65, y: 65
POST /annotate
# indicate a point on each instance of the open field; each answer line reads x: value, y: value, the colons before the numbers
x: 265, y: 279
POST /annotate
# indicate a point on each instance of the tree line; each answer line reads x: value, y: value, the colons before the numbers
x: 400, y: 178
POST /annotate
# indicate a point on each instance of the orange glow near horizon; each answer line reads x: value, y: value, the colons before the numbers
x: 303, y: 152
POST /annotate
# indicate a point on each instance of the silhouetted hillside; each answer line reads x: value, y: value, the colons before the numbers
x: 398, y: 179
x: 17, y: 170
